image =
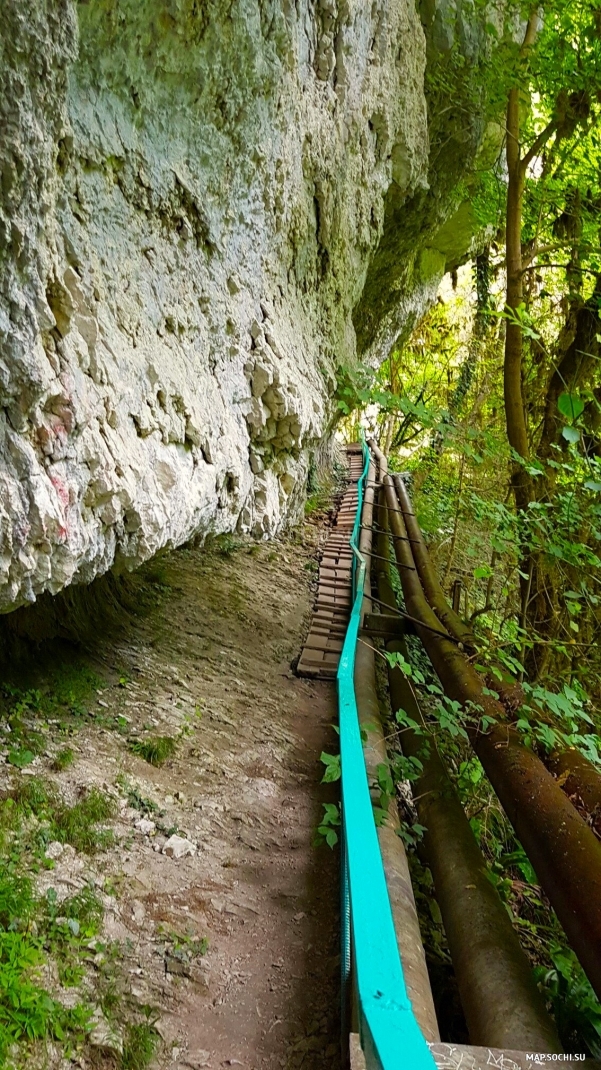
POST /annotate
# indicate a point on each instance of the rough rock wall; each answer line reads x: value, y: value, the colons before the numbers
x: 191, y: 197
x: 437, y: 226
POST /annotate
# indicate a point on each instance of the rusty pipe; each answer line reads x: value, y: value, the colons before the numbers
x: 427, y: 573
x: 578, y: 778
x: 502, y: 1005
x: 582, y: 778
x: 508, y: 689
x: 564, y: 852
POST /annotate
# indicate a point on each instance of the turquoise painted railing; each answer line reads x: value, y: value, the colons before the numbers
x: 390, y: 1036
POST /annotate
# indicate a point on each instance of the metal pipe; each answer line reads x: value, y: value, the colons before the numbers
x: 508, y: 689
x: 427, y: 574
x: 564, y: 851
x: 502, y: 1005
x: 584, y: 779
x: 577, y: 776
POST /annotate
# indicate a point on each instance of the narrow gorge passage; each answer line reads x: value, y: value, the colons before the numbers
x: 210, y: 664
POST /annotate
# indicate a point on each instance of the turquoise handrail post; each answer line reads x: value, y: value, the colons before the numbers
x: 390, y: 1035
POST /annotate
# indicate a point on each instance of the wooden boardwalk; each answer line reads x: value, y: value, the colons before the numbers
x: 321, y: 652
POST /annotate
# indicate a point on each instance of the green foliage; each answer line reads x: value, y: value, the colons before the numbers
x: 33, y: 796
x: 155, y: 750
x: 156, y: 573
x: 77, y: 824
x: 72, y: 685
x: 63, y: 759
x: 396, y: 660
x: 38, y: 931
x: 141, y: 1043
x: 570, y: 405
x: 56, y: 820
x: 332, y: 764
x: 322, y: 485
x: 411, y: 835
x: 185, y: 945
x: 20, y: 757
x: 330, y: 821
x: 575, y: 1007
x: 227, y: 544
x: 27, y: 712
x: 140, y: 802
x: 27, y: 1011
x: 519, y: 317
x: 48, y: 934
x: 16, y: 901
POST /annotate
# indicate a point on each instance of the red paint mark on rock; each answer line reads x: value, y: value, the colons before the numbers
x: 61, y: 489
x: 62, y: 492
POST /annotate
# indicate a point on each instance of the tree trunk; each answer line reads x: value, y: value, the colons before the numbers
x: 573, y: 368
x: 515, y: 417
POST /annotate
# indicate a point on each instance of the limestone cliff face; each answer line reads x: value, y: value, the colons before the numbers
x: 192, y: 197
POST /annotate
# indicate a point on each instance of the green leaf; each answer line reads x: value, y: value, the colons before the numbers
x: 592, y: 484
x: 570, y: 406
x: 546, y: 735
x: 21, y: 757
x: 380, y: 816
x: 571, y: 434
x: 409, y: 722
x: 332, y: 764
x: 331, y: 814
x: 396, y: 661
x: 385, y: 782
x: 483, y: 572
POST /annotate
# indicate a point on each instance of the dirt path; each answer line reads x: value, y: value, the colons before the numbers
x: 211, y: 665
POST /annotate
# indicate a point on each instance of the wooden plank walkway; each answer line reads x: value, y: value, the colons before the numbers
x: 323, y: 645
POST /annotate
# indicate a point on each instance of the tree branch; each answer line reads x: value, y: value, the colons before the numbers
x: 537, y: 145
x: 553, y: 248
x: 530, y: 35
x: 563, y: 267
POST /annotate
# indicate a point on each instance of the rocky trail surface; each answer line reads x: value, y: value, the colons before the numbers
x: 220, y: 916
